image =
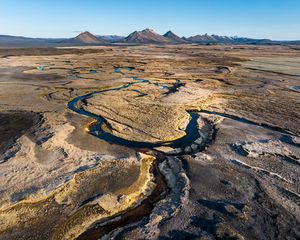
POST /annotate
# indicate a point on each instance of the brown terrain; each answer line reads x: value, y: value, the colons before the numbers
x: 150, y: 142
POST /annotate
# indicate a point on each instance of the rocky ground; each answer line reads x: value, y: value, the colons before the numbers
x: 162, y: 142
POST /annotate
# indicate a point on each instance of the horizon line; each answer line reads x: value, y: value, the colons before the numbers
x: 115, y: 34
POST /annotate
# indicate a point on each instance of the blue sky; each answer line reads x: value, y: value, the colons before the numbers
x: 275, y: 19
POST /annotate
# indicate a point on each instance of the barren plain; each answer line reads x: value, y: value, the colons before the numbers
x: 150, y: 142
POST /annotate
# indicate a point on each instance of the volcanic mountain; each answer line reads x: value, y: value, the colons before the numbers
x: 146, y: 36
x: 174, y: 38
x: 83, y: 38
x: 87, y: 37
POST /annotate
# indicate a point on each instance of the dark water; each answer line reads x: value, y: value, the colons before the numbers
x: 119, y: 69
x: 191, y: 135
x: 191, y: 130
x: 295, y: 88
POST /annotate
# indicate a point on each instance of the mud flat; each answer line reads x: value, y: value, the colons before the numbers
x: 147, y: 142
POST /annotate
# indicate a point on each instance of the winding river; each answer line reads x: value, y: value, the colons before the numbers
x: 146, y: 207
x: 96, y: 130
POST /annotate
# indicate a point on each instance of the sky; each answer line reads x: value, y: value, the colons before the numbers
x: 273, y: 19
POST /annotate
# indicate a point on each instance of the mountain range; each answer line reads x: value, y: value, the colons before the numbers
x: 146, y: 36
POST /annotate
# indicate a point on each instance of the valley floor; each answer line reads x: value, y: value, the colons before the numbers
x: 150, y: 142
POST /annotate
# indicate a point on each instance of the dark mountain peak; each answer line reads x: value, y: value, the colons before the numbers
x: 146, y: 36
x: 169, y: 34
x: 174, y: 38
x: 135, y: 33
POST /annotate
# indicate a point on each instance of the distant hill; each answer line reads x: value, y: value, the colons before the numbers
x: 146, y: 36
x: 15, y: 41
x: 174, y: 38
x: 84, y: 38
x: 251, y: 41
